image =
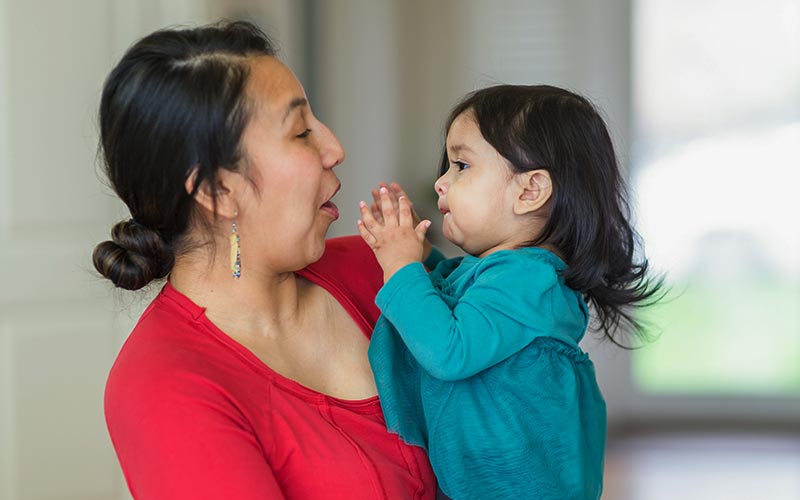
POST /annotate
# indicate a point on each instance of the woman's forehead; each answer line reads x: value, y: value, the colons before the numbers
x: 273, y: 88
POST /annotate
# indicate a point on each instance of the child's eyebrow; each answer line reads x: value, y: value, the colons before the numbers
x: 457, y: 148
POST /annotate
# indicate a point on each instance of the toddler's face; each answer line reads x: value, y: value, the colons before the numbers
x: 476, y: 193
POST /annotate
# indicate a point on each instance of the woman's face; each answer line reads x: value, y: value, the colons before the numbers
x: 285, y: 212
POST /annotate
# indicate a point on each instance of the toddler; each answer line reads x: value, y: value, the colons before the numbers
x: 478, y: 361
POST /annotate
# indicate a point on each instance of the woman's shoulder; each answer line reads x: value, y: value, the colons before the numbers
x: 168, y: 352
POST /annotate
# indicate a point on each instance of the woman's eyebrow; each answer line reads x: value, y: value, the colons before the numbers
x: 295, y: 103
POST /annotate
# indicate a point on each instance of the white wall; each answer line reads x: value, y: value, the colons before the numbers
x: 352, y: 86
x: 57, y: 326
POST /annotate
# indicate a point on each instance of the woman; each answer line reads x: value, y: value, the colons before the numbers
x: 246, y: 378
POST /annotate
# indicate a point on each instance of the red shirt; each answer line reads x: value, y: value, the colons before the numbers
x: 194, y: 415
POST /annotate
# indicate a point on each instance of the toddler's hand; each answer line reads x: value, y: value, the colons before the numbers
x: 395, y: 191
x: 391, y: 233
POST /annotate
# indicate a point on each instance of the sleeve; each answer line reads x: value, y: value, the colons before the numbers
x: 506, y: 307
x: 182, y: 438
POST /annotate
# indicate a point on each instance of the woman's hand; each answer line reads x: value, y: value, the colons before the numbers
x: 390, y: 229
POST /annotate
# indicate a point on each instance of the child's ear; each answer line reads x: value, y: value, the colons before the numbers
x: 535, y: 190
x: 224, y: 189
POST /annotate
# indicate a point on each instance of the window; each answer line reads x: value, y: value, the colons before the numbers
x: 716, y: 175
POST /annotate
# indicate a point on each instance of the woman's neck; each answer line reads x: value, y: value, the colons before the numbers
x: 257, y: 303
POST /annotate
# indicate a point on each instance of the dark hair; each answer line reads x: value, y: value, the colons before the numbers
x: 544, y: 127
x: 173, y: 107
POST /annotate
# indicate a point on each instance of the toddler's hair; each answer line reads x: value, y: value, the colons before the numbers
x: 544, y: 127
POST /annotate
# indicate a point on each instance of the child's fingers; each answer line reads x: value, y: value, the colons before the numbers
x: 421, y: 229
x: 400, y: 193
x: 367, y: 220
x: 389, y: 191
x: 393, y: 195
x: 376, y: 205
x: 394, y: 191
x: 366, y: 235
x: 406, y: 218
x: 387, y: 208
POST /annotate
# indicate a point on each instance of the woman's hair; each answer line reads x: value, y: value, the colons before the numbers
x: 544, y: 127
x: 173, y: 107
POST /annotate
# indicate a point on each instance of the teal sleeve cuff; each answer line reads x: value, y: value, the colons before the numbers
x: 433, y: 259
x: 398, y: 282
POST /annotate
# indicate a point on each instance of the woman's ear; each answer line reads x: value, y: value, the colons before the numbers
x: 224, y: 189
x: 535, y: 190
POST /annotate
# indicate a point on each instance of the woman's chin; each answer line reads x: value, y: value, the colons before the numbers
x: 325, y: 230
x: 317, y: 246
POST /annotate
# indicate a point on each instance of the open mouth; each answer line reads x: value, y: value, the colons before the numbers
x: 330, y: 207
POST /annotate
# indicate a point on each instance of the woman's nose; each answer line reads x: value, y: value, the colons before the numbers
x: 331, y: 149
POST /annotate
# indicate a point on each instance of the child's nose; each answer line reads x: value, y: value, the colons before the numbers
x: 440, y: 185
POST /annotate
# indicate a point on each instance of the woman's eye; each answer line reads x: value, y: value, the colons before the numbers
x: 460, y: 165
x: 305, y: 134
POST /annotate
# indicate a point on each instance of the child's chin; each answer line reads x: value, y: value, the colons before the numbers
x: 448, y: 235
x: 452, y: 240
x: 464, y: 247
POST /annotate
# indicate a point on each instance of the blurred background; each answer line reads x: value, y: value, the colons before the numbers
x: 702, y: 98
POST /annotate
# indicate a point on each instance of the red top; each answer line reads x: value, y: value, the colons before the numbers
x: 194, y: 415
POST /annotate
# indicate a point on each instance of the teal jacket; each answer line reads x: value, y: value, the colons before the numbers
x: 478, y: 362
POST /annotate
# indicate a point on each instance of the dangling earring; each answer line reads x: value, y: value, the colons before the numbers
x: 236, y: 254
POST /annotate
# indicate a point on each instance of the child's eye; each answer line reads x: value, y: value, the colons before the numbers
x: 460, y: 165
x: 305, y: 134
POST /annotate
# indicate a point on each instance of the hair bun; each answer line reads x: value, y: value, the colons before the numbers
x: 135, y: 256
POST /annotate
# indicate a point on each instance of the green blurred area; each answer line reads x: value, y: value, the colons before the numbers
x: 734, y: 338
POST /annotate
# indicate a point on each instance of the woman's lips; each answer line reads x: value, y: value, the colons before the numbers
x: 330, y: 208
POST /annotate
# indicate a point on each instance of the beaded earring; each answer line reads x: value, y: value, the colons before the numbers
x: 236, y: 254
